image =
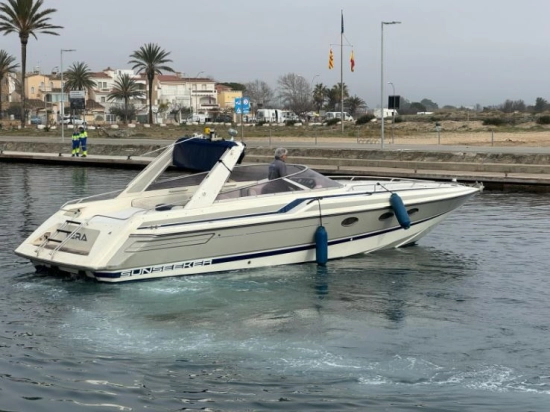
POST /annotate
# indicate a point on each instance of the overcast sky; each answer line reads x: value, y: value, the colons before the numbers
x: 452, y: 52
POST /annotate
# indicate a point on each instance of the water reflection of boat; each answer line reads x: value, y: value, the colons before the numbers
x: 233, y: 217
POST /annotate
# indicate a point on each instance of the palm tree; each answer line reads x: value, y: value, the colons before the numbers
x: 353, y: 103
x: 335, y: 95
x: 125, y: 88
x: 78, y: 77
x: 25, y: 17
x: 151, y: 59
x: 7, y: 66
x: 320, y: 95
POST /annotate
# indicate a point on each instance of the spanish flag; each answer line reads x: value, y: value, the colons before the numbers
x: 330, y: 60
x: 352, y: 61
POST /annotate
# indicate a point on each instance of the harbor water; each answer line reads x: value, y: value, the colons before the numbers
x: 459, y: 322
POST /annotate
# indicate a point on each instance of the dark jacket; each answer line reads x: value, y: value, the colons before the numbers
x: 277, y: 169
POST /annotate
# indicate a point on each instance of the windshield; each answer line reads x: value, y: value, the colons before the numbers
x: 249, y: 180
x: 255, y: 182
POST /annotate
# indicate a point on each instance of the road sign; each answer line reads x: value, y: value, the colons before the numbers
x: 246, y: 105
x: 77, y: 94
x: 242, y: 105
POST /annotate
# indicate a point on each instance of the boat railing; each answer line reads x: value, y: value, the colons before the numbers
x: 100, y: 196
x: 377, y: 180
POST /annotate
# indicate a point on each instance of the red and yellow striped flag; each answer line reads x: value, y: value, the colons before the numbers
x: 330, y: 60
x: 352, y: 61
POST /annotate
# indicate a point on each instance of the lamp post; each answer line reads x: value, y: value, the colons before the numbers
x: 196, y: 96
x: 62, y: 96
x: 382, y: 77
x: 393, y: 112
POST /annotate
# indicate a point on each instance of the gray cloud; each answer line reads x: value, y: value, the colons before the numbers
x: 458, y: 53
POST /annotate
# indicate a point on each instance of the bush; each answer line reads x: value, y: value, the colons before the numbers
x: 332, y: 122
x: 290, y: 122
x: 494, y: 122
x: 399, y: 119
x: 364, y: 119
x: 543, y: 120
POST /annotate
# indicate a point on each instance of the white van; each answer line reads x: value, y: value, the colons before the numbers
x: 270, y: 115
x: 338, y: 115
x: 77, y: 121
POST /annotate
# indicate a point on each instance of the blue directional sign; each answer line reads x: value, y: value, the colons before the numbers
x: 246, y: 105
x: 242, y: 105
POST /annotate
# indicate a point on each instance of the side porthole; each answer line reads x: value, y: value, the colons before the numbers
x: 412, y: 211
x: 349, y: 221
x: 386, y: 216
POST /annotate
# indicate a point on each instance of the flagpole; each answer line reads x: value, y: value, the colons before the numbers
x: 342, y: 73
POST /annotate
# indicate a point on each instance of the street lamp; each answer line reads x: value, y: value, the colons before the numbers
x: 196, y: 95
x: 382, y: 77
x: 62, y: 96
x: 393, y: 111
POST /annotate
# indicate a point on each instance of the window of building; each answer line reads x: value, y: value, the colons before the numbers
x: 32, y: 90
x: 103, y: 99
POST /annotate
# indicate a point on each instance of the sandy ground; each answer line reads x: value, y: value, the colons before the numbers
x: 536, y: 139
x: 469, y: 133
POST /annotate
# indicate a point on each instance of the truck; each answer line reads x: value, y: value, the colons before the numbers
x: 270, y: 115
x: 387, y: 113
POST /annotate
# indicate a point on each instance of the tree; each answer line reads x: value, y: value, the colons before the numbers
x: 295, y: 92
x: 335, y: 96
x: 429, y: 105
x: 540, y: 104
x: 417, y: 107
x: 125, y: 88
x: 354, y: 103
x: 78, y: 77
x: 234, y: 86
x: 7, y: 66
x: 151, y: 59
x: 511, y: 106
x: 320, y: 96
x: 26, y: 18
x: 124, y: 112
x: 260, y: 94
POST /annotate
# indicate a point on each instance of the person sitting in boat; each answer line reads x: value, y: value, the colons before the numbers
x: 277, y: 170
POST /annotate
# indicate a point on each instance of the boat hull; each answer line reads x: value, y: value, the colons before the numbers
x: 247, y: 241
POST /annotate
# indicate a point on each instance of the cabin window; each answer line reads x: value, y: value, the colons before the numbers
x: 350, y: 221
x: 386, y: 216
x: 412, y: 211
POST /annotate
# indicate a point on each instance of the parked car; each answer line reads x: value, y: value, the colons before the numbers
x: 338, y: 115
x: 77, y: 121
x: 223, y: 119
x: 36, y: 120
x: 198, y: 118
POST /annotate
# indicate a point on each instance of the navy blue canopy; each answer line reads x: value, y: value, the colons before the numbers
x: 200, y: 155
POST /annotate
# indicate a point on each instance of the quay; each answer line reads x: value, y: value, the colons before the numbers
x: 498, y: 168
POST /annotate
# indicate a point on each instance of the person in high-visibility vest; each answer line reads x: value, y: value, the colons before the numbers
x: 83, y: 140
x: 76, y: 143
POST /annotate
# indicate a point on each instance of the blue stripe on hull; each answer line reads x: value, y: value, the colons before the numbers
x: 275, y: 252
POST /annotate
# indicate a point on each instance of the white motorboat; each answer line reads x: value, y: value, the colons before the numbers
x: 168, y: 222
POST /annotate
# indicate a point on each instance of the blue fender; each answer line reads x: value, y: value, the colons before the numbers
x: 321, y: 246
x: 400, y: 211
